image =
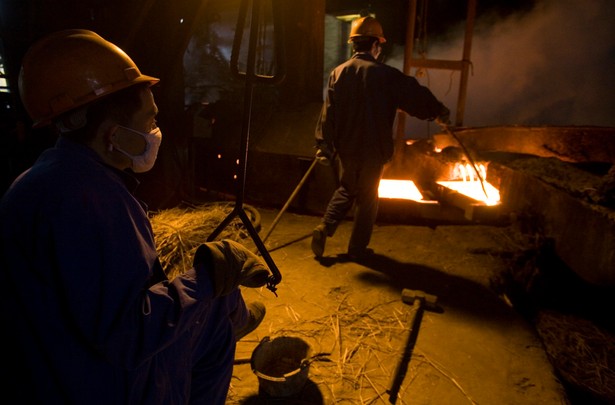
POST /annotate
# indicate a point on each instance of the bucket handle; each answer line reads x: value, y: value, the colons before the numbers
x: 302, y: 366
x: 317, y: 357
x: 270, y: 378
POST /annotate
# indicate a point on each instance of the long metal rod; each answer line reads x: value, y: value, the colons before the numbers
x: 299, y: 186
x: 290, y: 199
x: 465, y: 151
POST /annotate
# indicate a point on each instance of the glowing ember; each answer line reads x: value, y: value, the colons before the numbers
x: 403, y: 189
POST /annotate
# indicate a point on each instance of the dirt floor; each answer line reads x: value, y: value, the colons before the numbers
x: 472, y: 348
x: 508, y: 324
x: 512, y: 324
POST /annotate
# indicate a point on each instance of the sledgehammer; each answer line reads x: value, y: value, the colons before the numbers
x: 420, y: 301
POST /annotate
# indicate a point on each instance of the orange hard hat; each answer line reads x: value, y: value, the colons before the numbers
x: 366, y: 27
x: 70, y: 69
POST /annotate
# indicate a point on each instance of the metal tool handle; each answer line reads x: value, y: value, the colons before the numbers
x: 402, y: 366
x: 290, y: 199
x: 465, y: 151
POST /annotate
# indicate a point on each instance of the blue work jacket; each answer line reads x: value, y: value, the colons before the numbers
x: 89, y: 313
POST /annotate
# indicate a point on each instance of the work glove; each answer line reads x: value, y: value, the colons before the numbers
x: 324, y: 155
x: 230, y: 265
x: 444, y: 119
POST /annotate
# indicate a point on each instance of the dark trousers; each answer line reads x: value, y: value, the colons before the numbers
x: 197, y: 368
x: 359, y: 186
x: 214, y: 350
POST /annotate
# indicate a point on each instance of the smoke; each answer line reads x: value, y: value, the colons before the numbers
x: 554, y: 65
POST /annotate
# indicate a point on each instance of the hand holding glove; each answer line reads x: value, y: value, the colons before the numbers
x: 230, y: 264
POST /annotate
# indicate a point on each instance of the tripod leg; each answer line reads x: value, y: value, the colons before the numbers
x: 277, y: 277
x: 222, y: 225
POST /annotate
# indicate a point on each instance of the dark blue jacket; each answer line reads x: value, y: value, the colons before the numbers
x: 86, y: 306
x: 362, y: 98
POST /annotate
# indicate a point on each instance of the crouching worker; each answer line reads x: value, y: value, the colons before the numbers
x: 88, y: 315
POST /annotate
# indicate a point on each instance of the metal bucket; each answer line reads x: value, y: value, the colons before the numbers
x: 281, y: 365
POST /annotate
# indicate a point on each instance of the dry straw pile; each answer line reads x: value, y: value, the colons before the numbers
x: 583, y: 353
x: 179, y: 231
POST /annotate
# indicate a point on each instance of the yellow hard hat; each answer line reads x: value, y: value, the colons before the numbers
x: 70, y: 69
x: 366, y: 27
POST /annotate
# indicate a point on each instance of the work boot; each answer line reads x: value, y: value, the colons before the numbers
x: 319, y: 238
x: 256, y: 313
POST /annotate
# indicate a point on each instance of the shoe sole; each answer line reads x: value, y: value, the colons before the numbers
x: 318, y: 243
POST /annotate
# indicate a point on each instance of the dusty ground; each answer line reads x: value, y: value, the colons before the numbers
x: 474, y: 349
x: 510, y: 322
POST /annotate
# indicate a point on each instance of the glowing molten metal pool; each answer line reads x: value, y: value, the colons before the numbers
x: 402, y: 189
x: 465, y: 181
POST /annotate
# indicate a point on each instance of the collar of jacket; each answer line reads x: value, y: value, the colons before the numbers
x: 127, y: 177
x: 364, y: 56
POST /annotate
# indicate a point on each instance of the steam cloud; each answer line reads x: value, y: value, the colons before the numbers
x: 552, y: 66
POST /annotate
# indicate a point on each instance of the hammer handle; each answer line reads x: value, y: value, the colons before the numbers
x: 402, y: 366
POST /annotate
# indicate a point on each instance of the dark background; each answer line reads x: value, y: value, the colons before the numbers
x: 155, y: 33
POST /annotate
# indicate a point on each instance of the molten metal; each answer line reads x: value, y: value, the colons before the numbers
x: 403, y: 189
x: 467, y: 182
x: 474, y: 190
x: 464, y: 180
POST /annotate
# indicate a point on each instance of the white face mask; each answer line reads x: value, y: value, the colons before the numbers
x: 145, y: 161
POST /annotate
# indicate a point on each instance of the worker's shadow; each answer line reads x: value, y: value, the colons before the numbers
x: 309, y: 395
x: 452, y: 292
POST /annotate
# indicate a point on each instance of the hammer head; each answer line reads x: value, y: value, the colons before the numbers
x: 409, y: 296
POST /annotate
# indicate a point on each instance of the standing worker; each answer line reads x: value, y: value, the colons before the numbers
x: 356, y: 122
x: 88, y: 314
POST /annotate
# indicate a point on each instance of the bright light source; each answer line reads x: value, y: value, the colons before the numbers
x: 403, y: 189
x: 466, y: 180
x: 474, y: 190
x: 4, y: 86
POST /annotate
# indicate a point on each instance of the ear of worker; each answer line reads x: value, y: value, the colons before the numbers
x: 230, y: 264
